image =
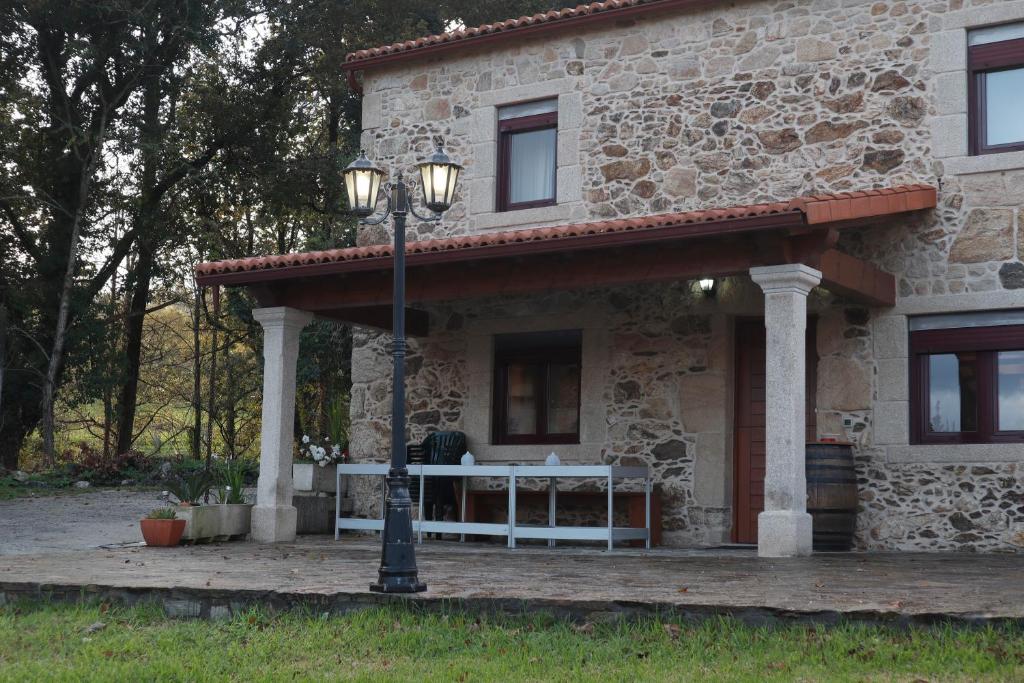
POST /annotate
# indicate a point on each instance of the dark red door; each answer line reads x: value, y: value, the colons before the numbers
x: 748, y: 441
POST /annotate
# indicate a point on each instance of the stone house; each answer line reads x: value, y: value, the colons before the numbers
x: 846, y: 177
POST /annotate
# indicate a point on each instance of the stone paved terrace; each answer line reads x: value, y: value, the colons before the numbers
x: 214, y: 580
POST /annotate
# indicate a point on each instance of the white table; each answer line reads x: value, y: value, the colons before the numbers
x: 511, y: 529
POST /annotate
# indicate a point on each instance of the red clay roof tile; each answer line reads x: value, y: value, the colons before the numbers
x: 611, y: 8
x: 816, y: 210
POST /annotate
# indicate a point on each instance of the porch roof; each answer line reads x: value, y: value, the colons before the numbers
x: 354, y: 284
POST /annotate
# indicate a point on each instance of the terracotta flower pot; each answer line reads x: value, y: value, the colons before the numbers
x: 162, y: 532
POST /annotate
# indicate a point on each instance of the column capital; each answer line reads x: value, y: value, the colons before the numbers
x: 790, y: 277
x: 281, y: 316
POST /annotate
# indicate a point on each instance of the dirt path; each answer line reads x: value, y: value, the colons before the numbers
x: 73, y: 522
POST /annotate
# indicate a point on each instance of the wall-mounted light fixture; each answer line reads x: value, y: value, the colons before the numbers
x: 708, y: 286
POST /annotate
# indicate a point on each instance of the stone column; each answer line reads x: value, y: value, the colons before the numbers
x: 273, y: 517
x: 784, y: 528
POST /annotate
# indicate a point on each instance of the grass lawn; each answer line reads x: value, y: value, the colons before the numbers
x: 54, y: 642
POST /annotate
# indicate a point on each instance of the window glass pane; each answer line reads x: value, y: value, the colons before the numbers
x: 1011, y: 391
x: 521, y: 412
x: 532, y: 166
x: 953, y: 392
x: 516, y: 111
x: 995, y: 34
x: 1004, y: 102
x: 563, y: 399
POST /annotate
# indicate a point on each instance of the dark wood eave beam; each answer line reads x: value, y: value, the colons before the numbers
x: 855, y: 279
x: 417, y: 322
x: 513, y: 276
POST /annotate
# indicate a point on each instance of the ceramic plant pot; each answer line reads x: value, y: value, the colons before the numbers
x: 162, y: 532
x: 307, y: 476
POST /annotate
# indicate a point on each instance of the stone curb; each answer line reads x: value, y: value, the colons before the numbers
x: 212, y: 603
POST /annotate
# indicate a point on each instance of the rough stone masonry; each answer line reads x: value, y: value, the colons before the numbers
x: 738, y: 103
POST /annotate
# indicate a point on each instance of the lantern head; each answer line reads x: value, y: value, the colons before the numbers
x: 439, y: 175
x: 362, y: 182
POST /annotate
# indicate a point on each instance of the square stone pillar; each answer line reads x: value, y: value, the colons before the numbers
x: 273, y: 516
x: 784, y: 528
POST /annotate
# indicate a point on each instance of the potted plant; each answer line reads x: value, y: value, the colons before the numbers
x: 201, y: 521
x: 235, y: 511
x: 311, y: 472
x: 162, y: 528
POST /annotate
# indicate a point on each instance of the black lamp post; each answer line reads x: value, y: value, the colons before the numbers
x: 363, y: 181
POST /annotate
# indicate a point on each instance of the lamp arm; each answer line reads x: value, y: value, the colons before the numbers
x: 434, y: 217
x: 387, y: 209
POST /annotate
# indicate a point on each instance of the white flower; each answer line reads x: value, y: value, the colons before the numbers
x: 336, y: 450
x: 305, y: 438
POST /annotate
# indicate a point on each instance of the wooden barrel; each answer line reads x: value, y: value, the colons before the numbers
x: 832, y: 495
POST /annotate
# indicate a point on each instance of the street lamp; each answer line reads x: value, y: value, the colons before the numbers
x: 363, y: 181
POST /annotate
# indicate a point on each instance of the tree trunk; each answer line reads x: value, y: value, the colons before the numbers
x: 147, y: 220
x: 211, y: 410
x: 56, y: 355
x: 3, y: 356
x: 133, y: 332
x: 197, y: 377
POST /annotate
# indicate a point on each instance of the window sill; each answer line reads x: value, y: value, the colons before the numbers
x: 503, y: 219
x: 985, y: 163
x: 956, y: 453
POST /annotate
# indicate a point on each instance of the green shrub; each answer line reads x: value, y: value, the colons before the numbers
x: 231, y: 475
x: 162, y: 513
x: 191, y: 488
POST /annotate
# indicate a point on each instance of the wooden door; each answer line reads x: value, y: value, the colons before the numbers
x: 749, y: 421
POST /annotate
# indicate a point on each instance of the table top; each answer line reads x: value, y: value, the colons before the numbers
x: 619, y: 471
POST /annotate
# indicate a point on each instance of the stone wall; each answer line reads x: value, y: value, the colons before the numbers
x: 663, y: 394
x: 756, y: 101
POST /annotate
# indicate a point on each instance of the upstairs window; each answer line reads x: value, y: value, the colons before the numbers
x: 995, y: 57
x: 527, y: 144
x: 537, y: 388
x: 967, y: 385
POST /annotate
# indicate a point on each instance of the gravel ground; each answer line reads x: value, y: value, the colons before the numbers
x: 78, y: 521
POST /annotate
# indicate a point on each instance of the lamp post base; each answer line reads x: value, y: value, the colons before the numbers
x: 398, y: 573
x: 395, y: 584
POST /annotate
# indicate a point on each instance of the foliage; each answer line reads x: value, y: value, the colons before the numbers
x: 140, y: 138
x: 162, y: 513
x: 404, y: 643
x: 89, y: 464
x: 232, y: 476
x: 190, y: 489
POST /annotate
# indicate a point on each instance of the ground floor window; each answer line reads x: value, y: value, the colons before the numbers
x: 537, y: 388
x: 967, y: 385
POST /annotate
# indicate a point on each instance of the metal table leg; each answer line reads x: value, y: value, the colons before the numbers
x: 647, y: 510
x: 383, y: 497
x: 611, y: 511
x: 462, y: 512
x: 512, y: 511
x: 552, y: 487
x: 420, y: 534
x: 337, y: 502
